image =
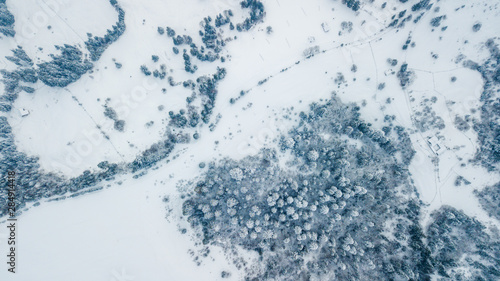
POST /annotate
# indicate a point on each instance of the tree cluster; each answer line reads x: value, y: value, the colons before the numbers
x: 6, y: 20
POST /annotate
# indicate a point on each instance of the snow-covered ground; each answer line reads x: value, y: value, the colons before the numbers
x: 121, y: 233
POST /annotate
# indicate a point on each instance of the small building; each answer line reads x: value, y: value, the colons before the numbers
x: 24, y: 112
x: 433, y: 143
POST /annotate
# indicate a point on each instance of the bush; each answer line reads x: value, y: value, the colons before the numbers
x: 170, y: 32
x: 476, y: 27
x: 119, y: 125
x: 145, y: 70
